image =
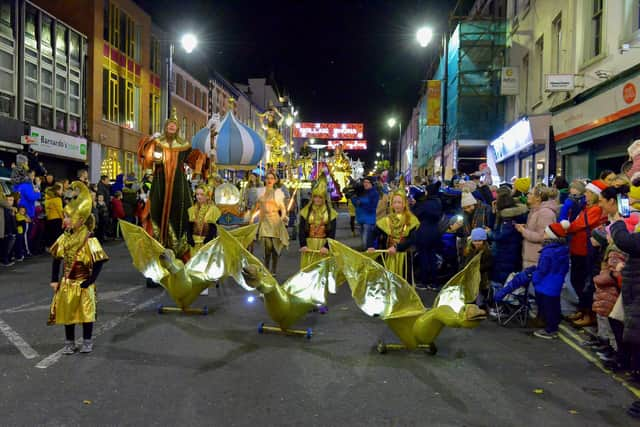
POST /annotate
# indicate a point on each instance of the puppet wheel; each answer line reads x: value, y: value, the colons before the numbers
x: 381, y: 347
x: 309, y: 333
x: 261, y: 327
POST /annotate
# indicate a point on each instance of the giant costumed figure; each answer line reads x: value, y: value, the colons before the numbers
x: 170, y: 194
x: 341, y: 169
x: 271, y: 122
x: 317, y: 223
x: 82, y: 257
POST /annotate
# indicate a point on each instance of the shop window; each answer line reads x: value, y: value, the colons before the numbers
x: 111, y: 165
x: 129, y: 162
x: 74, y: 125
x: 61, y: 121
x: 6, y: 18
x: 154, y: 113
x: 31, y: 113
x: 46, y: 117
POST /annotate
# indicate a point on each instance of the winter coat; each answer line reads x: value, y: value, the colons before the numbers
x: 3, y: 205
x: 630, y: 244
x: 608, y: 282
x: 577, y: 231
x: 533, y: 235
x: 105, y: 190
x: 117, y: 210
x: 553, y: 265
x: 507, y: 243
x: 428, y: 212
x: 129, y: 202
x: 53, y: 205
x: 28, y: 197
x: 480, y: 217
x: 571, y: 207
x: 366, y: 205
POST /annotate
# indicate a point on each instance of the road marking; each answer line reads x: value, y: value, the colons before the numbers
x: 24, y: 347
x: 593, y: 360
x: 100, y: 329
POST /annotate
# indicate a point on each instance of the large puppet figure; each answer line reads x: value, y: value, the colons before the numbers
x: 170, y: 193
x: 82, y: 257
x: 272, y: 120
x: 317, y: 222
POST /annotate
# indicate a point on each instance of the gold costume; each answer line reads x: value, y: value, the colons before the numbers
x: 272, y: 229
x: 341, y: 169
x: 397, y: 227
x: 78, y: 252
x: 316, y: 224
x: 274, y: 138
x: 202, y: 215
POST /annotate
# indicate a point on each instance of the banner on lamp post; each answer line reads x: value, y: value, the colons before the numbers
x: 434, y: 88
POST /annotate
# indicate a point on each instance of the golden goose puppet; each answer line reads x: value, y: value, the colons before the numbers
x: 381, y: 293
x: 286, y: 304
x: 183, y: 282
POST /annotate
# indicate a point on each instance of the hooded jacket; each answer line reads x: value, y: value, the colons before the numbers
x: 533, y: 235
x: 552, y: 268
x: 507, y: 243
x: 578, y: 229
x: 53, y: 205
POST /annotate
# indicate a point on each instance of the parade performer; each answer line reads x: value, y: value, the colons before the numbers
x: 74, y: 300
x: 393, y: 230
x: 170, y: 194
x: 305, y: 160
x: 273, y: 217
x: 381, y: 293
x: 202, y: 219
x: 271, y: 122
x: 317, y: 222
x: 341, y: 169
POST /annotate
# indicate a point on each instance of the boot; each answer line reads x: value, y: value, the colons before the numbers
x: 575, y: 316
x: 588, y: 319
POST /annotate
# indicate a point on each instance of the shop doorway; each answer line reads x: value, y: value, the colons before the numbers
x: 612, y: 163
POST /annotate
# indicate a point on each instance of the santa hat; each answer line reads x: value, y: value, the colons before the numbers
x: 634, y: 148
x: 555, y: 231
x: 596, y: 186
x: 467, y: 199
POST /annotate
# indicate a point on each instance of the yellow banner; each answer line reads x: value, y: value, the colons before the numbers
x: 433, y: 102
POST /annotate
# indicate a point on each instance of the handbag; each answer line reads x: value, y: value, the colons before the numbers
x: 617, y: 312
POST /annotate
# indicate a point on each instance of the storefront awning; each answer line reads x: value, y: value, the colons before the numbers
x: 616, y: 126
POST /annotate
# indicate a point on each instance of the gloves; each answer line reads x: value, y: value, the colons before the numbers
x: 85, y: 284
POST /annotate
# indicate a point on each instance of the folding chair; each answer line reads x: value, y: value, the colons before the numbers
x: 514, y: 307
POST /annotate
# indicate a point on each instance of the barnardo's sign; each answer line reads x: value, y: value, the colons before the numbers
x: 59, y: 144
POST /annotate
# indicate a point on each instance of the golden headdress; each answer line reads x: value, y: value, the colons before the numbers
x: 320, y: 187
x: 206, y: 188
x: 173, y: 118
x: 79, y: 209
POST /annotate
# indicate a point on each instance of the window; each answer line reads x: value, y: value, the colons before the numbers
x: 155, y: 55
x: 110, y: 104
x: 61, y: 40
x: 46, y: 117
x: 61, y: 121
x: 46, y: 86
x: 30, y: 26
x: 74, y: 48
x: 6, y: 18
x: 129, y: 95
x: 193, y: 129
x: 31, y: 112
x: 179, y: 85
x: 31, y: 80
x: 556, y: 48
x: 196, y: 97
x: 129, y: 162
x: 74, y: 124
x: 524, y: 81
x: 183, y: 128
x: 154, y: 113
x: 189, y: 96
x: 540, y: 67
x: 137, y: 50
x: 594, y: 31
x: 114, y: 26
x: 46, y: 37
x: 204, y: 101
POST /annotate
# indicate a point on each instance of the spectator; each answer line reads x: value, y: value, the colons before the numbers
x: 7, y: 229
x: 83, y: 176
x: 104, y: 188
x: 48, y: 182
x: 4, y: 171
x: 54, y: 214
x: 476, y: 215
x: 117, y: 211
x: 478, y: 244
x: 507, y: 241
x: 543, y: 209
x: 366, y: 204
x: 574, y: 203
x: 102, y: 220
x: 23, y: 184
x: 562, y: 186
x: 521, y: 188
x: 582, y: 252
x: 22, y: 229
x: 129, y: 202
x: 608, y: 177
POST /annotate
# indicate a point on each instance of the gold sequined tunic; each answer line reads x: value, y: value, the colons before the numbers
x: 272, y: 212
x: 397, y: 227
x: 317, y: 221
x: 201, y: 216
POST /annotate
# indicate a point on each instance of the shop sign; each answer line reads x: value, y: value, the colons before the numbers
x: 614, y: 104
x: 434, y: 88
x: 509, y: 81
x: 513, y: 140
x: 59, y: 144
x: 27, y: 140
x: 360, y: 144
x: 328, y: 130
x: 559, y: 82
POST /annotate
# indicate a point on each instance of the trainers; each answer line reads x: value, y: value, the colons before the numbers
x: 69, y: 348
x: 87, y: 346
x: 19, y: 259
x: 8, y: 264
x: 541, y: 333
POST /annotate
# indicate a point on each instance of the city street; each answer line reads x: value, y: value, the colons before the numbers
x: 172, y: 369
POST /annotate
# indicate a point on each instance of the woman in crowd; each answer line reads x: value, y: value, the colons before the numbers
x: 317, y: 223
x: 53, y: 211
x: 273, y: 219
x: 543, y: 209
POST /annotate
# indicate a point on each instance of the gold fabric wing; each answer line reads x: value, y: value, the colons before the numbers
x: 145, y: 251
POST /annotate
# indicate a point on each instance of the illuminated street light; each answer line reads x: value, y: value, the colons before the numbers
x: 189, y: 42
x: 391, y: 122
x: 378, y: 154
x: 289, y: 121
x: 384, y: 142
x: 424, y: 36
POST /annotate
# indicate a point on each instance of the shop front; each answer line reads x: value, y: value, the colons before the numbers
x: 11, y: 132
x: 593, y: 132
x: 524, y: 150
x: 61, y: 154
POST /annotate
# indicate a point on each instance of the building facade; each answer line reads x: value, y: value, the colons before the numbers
x: 190, y: 99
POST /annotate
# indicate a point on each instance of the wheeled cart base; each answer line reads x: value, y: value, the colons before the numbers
x: 203, y: 311
x: 383, y: 347
x: 262, y: 328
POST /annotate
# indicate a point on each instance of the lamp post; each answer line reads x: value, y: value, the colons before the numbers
x: 424, y: 36
x: 392, y: 123
x: 188, y: 42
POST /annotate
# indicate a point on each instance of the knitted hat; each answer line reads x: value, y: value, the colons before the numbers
x: 467, y: 199
x: 634, y: 148
x: 634, y: 192
x: 469, y: 186
x: 522, y: 184
x: 578, y: 186
x: 596, y: 186
x: 478, y: 234
x: 555, y: 231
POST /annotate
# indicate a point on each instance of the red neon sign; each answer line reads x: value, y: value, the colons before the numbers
x: 360, y: 144
x: 328, y: 130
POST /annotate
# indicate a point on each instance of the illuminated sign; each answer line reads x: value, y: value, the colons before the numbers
x: 328, y: 130
x: 513, y: 140
x: 360, y: 144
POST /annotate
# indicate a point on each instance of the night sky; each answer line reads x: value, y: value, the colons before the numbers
x: 340, y: 60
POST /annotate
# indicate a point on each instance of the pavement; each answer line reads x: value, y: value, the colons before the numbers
x: 174, y: 369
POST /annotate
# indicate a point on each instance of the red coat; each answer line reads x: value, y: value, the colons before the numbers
x: 117, y: 210
x: 577, y: 229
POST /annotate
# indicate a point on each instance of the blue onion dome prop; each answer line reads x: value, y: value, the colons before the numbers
x: 238, y: 146
x: 202, y: 140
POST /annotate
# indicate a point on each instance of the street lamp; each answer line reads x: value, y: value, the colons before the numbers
x: 189, y: 42
x: 378, y: 154
x: 424, y: 36
x: 289, y: 121
x: 392, y: 123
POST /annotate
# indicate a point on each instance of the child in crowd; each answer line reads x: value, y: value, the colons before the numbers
x: 117, y: 211
x: 547, y: 277
x: 574, y: 203
x: 22, y: 225
x: 478, y: 244
x: 10, y: 231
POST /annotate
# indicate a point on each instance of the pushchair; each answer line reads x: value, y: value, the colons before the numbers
x: 511, y: 302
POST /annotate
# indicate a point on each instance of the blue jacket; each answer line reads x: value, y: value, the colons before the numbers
x: 28, y: 197
x: 507, y: 243
x: 366, y: 206
x: 571, y: 207
x: 520, y: 280
x: 552, y: 268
